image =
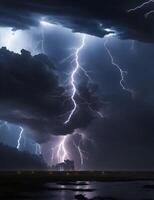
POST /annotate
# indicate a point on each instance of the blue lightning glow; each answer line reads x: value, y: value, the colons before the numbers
x: 73, y: 75
x: 82, y: 153
x: 75, y: 57
x: 59, y: 151
x: 20, y: 137
x: 122, y: 72
x: 62, y: 153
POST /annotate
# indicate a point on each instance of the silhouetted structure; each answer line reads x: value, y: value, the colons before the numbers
x: 67, y: 165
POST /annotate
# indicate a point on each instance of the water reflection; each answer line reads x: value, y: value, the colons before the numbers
x: 67, y: 191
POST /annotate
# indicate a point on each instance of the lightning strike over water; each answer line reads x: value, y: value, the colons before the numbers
x: 20, y: 137
x: 73, y: 75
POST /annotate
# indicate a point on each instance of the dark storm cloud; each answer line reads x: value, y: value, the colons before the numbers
x: 81, y: 16
x: 12, y: 159
x: 30, y: 95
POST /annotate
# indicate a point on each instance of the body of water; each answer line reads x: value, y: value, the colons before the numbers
x: 136, y: 190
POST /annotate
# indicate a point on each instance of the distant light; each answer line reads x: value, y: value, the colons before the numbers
x: 108, y: 30
x: 45, y: 23
x: 15, y: 40
x: 111, y: 32
x: 111, y: 35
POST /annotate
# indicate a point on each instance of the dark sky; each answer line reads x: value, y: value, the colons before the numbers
x: 35, y: 88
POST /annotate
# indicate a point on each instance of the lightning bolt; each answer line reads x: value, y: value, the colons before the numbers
x: 82, y: 153
x: 59, y: 151
x: 20, y: 137
x: 73, y: 75
x: 141, y: 6
x: 62, y: 153
x: 76, y: 69
x: 122, y: 72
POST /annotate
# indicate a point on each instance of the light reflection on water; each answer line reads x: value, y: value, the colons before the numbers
x: 118, y: 190
x: 67, y: 191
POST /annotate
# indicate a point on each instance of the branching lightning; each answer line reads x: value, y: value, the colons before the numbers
x: 122, y: 72
x: 82, y: 153
x: 141, y: 6
x: 77, y: 68
x: 20, y: 137
x: 73, y: 75
x: 62, y: 153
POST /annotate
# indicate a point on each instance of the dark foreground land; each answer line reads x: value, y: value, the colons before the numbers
x: 52, y: 176
x: 27, y: 184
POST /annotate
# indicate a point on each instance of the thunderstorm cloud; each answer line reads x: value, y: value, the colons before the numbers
x: 32, y: 96
x: 15, y: 160
x: 92, y: 17
x: 33, y: 93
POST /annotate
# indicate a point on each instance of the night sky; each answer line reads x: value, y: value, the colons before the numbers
x: 41, y: 44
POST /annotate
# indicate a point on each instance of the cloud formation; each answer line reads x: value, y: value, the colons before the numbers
x: 90, y: 17
x: 12, y: 159
x: 31, y: 96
